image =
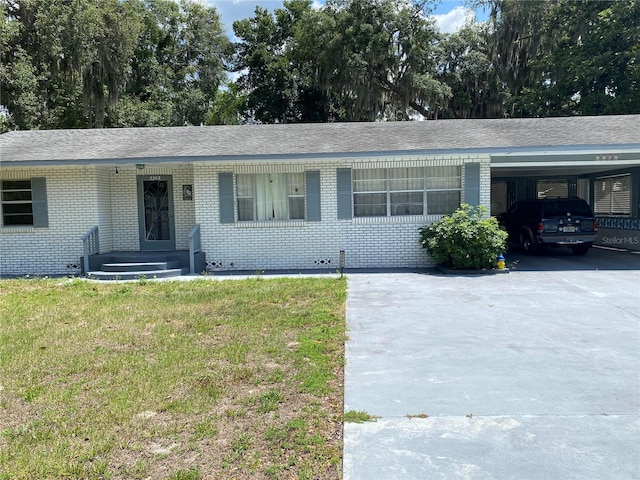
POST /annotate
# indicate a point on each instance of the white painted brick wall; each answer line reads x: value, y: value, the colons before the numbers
x: 103, y: 190
x: 81, y: 197
x: 124, y: 205
x: 78, y: 199
x: 368, y: 243
x: 184, y: 210
x: 73, y: 209
x: 124, y: 210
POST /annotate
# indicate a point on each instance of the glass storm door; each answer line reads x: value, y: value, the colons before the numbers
x: 155, y: 212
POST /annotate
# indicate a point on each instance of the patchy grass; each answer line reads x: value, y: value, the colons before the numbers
x: 353, y: 416
x: 418, y: 415
x: 175, y: 380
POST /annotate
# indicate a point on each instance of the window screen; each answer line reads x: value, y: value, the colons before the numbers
x: 384, y: 192
x: 553, y: 188
x: 613, y: 195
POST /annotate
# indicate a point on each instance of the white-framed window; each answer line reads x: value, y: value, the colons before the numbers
x: 612, y: 195
x: 384, y: 192
x: 270, y: 196
x: 17, y: 203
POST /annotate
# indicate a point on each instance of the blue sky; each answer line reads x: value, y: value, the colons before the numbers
x: 450, y: 14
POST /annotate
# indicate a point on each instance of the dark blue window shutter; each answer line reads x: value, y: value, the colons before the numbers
x: 39, y: 199
x: 472, y: 184
x: 225, y: 190
x: 343, y: 181
x: 312, y: 187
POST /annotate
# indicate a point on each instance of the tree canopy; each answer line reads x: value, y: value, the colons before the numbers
x: 110, y: 63
x: 115, y: 63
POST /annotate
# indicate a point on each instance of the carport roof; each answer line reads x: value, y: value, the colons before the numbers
x: 287, y: 141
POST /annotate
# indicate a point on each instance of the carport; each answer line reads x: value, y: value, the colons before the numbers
x: 608, y: 177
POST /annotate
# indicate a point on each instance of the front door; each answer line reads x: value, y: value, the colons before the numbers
x: 155, y: 212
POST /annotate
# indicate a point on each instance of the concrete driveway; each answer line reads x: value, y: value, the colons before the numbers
x: 534, y: 374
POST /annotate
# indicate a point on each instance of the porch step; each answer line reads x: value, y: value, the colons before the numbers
x: 137, y: 274
x: 129, y: 265
x: 139, y: 266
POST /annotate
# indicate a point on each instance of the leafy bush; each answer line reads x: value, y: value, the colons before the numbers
x: 467, y: 239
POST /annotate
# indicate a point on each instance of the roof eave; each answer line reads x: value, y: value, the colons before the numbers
x: 288, y: 157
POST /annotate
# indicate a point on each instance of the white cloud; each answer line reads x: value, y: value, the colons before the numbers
x: 454, y: 20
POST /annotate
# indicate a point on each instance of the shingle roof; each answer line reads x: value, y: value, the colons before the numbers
x: 321, y: 140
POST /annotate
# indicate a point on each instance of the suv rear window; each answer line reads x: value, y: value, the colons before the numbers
x: 561, y: 207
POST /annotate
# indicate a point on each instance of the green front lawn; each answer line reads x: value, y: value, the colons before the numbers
x: 180, y: 380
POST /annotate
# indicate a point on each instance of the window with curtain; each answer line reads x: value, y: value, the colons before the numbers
x: 270, y: 196
x: 406, y: 191
x: 612, y: 195
x: 17, y: 202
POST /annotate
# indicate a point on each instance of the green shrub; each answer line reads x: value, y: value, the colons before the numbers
x: 467, y: 239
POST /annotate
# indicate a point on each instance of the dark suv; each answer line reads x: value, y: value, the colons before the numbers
x: 553, y: 222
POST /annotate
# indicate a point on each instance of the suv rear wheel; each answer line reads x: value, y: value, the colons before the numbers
x: 581, y: 249
x: 528, y: 245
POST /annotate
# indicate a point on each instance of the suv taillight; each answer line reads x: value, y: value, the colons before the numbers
x: 595, y: 225
x: 540, y: 227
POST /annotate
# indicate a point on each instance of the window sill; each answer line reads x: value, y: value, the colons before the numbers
x: 404, y: 219
x: 13, y: 230
x: 272, y: 224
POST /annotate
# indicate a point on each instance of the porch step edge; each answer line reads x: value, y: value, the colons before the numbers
x: 139, y: 266
x: 136, y: 275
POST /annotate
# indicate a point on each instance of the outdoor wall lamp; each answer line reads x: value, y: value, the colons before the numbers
x: 140, y: 166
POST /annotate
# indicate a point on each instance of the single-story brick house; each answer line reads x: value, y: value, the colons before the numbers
x: 292, y: 196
